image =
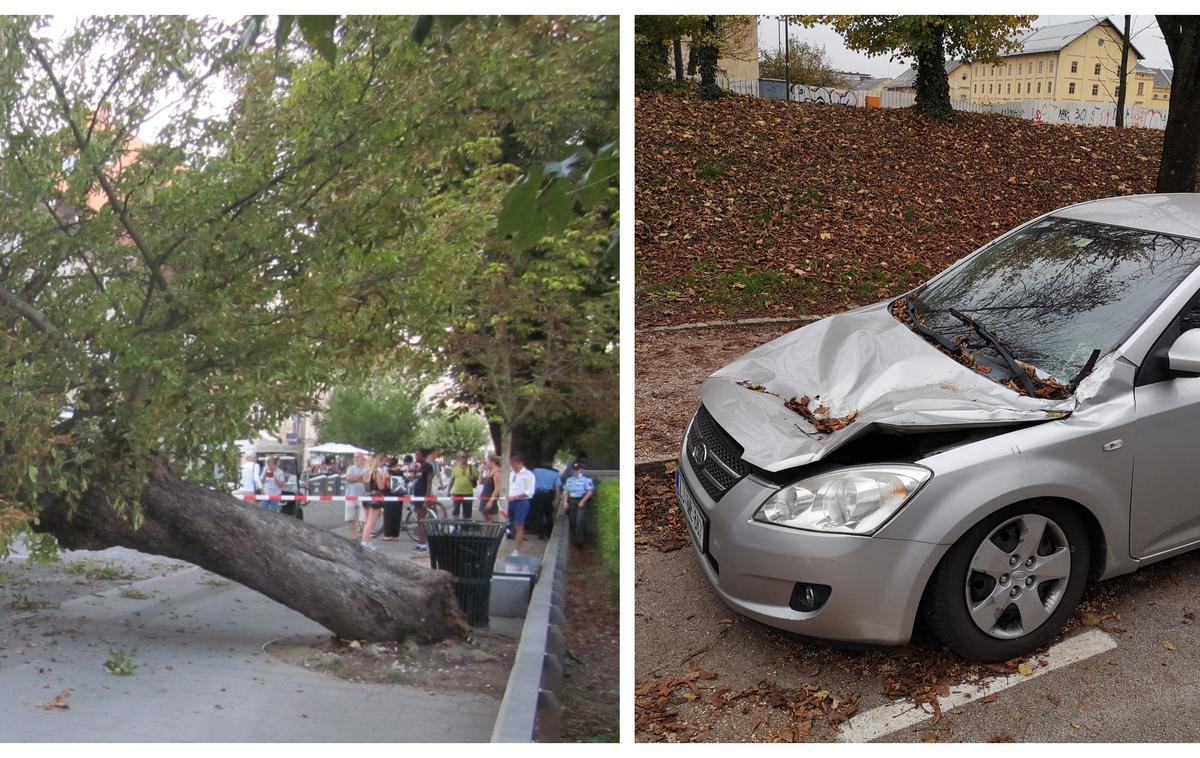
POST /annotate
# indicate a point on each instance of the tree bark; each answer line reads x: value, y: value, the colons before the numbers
x: 357, y: 594
x: 1123, y: 77
x: 708, y: 54
x: 677, y: 45
x: 1181, y: 138
x: 933, y: 88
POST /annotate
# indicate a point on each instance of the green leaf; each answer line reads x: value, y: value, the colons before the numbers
x: 421, y: 28
x: 318, y: 32
x: 283, y: 31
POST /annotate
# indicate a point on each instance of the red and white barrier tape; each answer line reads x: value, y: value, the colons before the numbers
x: 364, y: 498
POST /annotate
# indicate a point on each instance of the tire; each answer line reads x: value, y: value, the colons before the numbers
x: 410, y: 520
x: 985, y: 608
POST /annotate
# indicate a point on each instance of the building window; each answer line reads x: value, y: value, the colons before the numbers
x: 1074, y: 67
x: 1049, y: 87
x: 1097, y: 69
x: 1027, y: 86
x: 989, y: 89
x: 1100, y: 43
x: 1010, y: 69
x: 1071, y: 88
x: 1019, y: 68
x: 1052, y: 67
x: 1039, y: 88
x: 1009, y: 88
x: 1039, y: 67
x: 975, y: 90
x: 1095, y: 90
x: 1141, y: 88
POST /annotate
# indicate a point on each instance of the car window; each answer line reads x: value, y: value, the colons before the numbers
x: 1058, y: 289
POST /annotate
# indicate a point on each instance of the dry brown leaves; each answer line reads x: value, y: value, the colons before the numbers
x: 840, y: 206
x: 657, y: 704
x: 59, y: 703
x: 657, y: 521
x: 818, y: 417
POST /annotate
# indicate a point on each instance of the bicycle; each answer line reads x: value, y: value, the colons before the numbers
x: 435, y: 511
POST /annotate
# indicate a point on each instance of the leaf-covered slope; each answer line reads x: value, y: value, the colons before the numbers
x: 749, y: 207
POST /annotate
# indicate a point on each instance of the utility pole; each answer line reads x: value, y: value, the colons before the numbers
x: 1124, y: 77
x: 787, y: 51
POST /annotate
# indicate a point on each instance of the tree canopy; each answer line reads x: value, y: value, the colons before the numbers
x: 930, y: 40
x: 163, y: 298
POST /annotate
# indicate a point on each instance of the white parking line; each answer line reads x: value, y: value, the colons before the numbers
x: 901, y: 714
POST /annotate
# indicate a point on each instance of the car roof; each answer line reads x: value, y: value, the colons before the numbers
x: 1168, y: 213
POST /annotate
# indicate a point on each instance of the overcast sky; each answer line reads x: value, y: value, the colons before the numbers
x: 1143, y: 31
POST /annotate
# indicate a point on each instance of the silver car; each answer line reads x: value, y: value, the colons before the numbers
x: 974, y: 452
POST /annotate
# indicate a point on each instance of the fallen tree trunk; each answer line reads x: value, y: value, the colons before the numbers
x: 357, y: 594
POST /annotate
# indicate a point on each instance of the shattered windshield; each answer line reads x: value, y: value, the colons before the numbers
x: 1052, y: 294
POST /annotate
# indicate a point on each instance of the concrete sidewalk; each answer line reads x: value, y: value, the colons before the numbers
x: 201, y: 675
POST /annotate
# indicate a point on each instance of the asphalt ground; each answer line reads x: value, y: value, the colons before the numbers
x: 1135, y: 678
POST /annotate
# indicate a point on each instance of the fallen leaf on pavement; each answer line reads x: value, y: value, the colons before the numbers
x: 990, y: 698
x: 59, y: 702
x: 1167, y: 645
x: 1025, y: 669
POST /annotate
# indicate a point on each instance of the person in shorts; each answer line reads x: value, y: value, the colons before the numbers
x: 356, y: 486
x: 376, y: 474
x: 521, y: 486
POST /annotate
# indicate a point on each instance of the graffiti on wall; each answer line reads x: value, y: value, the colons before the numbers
x: 802, y: 93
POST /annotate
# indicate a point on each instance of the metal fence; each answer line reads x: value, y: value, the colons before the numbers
x: 1039, y: 111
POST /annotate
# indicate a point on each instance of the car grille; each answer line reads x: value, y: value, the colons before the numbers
x: 724, y: 466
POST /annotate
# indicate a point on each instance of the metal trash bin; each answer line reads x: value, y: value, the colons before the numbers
x: 467, y: 549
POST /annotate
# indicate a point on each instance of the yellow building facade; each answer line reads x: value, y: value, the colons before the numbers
x: 1079, y: 61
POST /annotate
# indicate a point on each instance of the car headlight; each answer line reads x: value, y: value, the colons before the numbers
x: 854, y: 500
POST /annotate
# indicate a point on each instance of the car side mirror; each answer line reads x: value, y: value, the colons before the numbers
x: 1184, y: 355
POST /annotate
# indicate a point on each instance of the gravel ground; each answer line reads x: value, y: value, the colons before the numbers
x: 669, y: 368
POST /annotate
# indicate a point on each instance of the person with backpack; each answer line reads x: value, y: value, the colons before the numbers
x: 463, y: 478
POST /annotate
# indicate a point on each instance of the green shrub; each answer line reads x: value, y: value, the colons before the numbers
x: 607, y: 520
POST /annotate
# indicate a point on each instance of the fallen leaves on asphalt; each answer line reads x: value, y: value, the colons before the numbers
x: 59, y: 702
x: 657, y: 519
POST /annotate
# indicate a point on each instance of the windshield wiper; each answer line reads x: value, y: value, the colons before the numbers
x: 928, y: 333
x: 1083, y: 372
x: 1018, y: 372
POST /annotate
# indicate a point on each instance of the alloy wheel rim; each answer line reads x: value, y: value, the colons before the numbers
x: 1018, y: 576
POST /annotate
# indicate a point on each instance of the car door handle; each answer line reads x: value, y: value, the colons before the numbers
x: 1114, y: 445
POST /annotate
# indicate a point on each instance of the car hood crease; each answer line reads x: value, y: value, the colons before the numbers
x: 862, y: 362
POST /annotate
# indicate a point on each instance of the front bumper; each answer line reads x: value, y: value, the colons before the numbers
x: 876, y: 583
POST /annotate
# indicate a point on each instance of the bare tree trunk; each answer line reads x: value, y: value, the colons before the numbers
x: 1181, y: 138
x: 1123, y: 76
x: 708, y: 54
x: 356, y: 594
x: 677, y: 45
x: 933, y: 88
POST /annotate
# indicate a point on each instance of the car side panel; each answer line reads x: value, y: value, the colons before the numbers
x: 1061, y: 459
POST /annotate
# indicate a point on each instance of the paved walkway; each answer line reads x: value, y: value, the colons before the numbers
x: 201, y: 671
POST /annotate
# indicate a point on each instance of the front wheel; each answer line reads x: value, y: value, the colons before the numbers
x: 1010, y: 583
x: 434, y: 512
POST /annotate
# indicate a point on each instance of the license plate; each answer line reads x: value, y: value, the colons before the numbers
x: 693, y: 516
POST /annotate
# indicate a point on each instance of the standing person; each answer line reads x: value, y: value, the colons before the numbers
x: 521, y: 486
x: 579, y: 489
x: 463, y: 477
x: 545, y: 498
x: 489, y: 493
x: 356, y: 486
x: 376, y: 484
x: 273, y: 482
x: 423, y: 487
x: 251, y: 481
x: 393, y: 513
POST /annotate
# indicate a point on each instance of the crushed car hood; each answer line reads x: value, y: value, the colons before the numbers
x: 866, y: 366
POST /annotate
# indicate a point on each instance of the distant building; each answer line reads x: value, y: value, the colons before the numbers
x: 1080, y: 60
x: 1077, y: 61
x: 739, y: 56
